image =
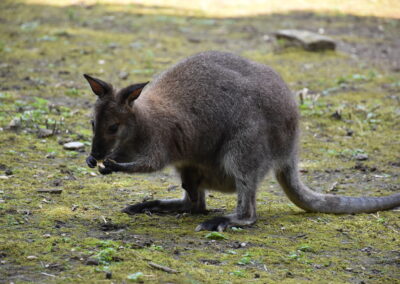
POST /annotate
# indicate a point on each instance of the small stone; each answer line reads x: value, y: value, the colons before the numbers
x: 46, y: 236
x: 266, y: 37
x: 4, y: 177
x: 337, y: 115
x: 92, y: 261
x: 93, y: 174
x: 74, y: 145
x: 135, y: 45
x: 243, y: 245
x: 56, y: 182
x: 31, y: 257
x: 43, y: 133
x: 361, y: 157
x: 113, y: 45
x: 194, y: 39
x: 50, y: 156
x: 108, y: 275
x: 123, y: 75
x: 15, y: 123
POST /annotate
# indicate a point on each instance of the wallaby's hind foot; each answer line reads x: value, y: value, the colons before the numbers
x: 163, y: 206
x: 184, y: 205
x: 222, y: 223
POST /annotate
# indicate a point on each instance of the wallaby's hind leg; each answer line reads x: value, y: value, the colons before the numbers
x: 247, y: 167
x: 192, y: 202
x: 159, y: 206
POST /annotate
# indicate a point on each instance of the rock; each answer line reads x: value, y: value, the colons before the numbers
x: 4, y: 177
x: 308, y: 40
x: 15, y: 123
x: 136, y: 45
x: 194, y: 39
x: 31, y: 257
x: 349, y: 132
x: 56, y: 182
x: 8, y: 172
x: 43, y: 133
x: 337, y: 115
x: 361, y: 157
x: 108, y: 274
x: 92, y: 261
x: 50, y: 156
x: 74, y: 145
x: 123, y: 75
x: 113, y: 45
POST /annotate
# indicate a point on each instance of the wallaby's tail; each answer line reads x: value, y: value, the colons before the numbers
x: 311, y: 201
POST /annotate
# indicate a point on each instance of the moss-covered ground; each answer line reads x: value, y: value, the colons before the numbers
x: 352, y: 107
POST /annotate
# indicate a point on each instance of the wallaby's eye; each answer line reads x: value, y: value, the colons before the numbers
x: 92, y: 123
x: 113, y: 128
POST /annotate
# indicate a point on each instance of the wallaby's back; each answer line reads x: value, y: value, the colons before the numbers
x: 215, y: 94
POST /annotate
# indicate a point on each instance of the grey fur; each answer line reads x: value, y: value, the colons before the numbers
x: 224, y: 122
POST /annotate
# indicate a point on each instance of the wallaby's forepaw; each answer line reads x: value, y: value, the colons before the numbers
x: 219, y: 224
x: 91, y: 161
x: 105, y: 170
x: 148, y: 206
x: 111, y: 164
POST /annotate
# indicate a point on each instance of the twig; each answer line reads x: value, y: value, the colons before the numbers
x: 104, y: 219
x: 47, y: 274
x: 163, y: 268
x: 50, y: 190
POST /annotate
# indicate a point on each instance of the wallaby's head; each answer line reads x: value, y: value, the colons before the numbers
x: 113, y: 121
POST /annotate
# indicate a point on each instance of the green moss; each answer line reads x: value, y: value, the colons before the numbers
x: 45, y: 50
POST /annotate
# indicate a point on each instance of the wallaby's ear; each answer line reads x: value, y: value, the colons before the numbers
x: 131, y: 93
x: 99, y: 87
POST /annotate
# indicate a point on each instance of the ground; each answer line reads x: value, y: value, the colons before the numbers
x: 350, y: 144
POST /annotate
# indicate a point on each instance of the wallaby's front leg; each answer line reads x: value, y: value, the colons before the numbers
x: 192, y: 202
x: 139, y: 166
x: 245, y: 211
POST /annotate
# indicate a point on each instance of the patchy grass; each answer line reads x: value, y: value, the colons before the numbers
x: 351, y: 107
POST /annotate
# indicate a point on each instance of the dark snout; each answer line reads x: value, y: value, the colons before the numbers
x: 91, y: 161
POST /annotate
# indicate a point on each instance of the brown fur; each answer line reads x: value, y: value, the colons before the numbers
x: 223, y: 121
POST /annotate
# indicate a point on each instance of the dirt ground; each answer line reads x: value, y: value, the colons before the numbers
x: 350, y: 146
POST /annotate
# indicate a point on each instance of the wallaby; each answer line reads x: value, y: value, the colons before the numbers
x: 223, y: 122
